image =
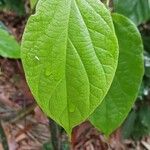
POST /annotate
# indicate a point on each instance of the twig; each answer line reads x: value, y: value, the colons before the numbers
x: 3, y: 138
x: 21, y: 114
x: 55, y: 135
x: 106, y: 2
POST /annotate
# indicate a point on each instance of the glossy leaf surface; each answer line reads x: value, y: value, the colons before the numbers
x: 124, y: 89
x: 70, y: 54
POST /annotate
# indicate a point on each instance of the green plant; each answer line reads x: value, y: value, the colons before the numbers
x: 9, y: 47
x: 123, y: 90
x: 70, y: 56
x: 138, y: 119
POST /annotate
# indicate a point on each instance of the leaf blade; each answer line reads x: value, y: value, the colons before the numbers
x: 124, y: 89
x: 9, y: 47
x: 65, y: 58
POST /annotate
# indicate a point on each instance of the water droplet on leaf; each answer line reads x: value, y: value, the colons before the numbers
x: 37, y: 58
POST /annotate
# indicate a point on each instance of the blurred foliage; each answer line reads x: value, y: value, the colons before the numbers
x: 137, y: 124
x: 13, y: 5
x: 48, y: 146
x: 9, y: 47
x: 137, y: 10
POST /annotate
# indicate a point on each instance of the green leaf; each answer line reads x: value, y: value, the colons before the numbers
x: 129, y: 125
x: 8, y: 45
x: 1, y: 2
x: 124, y: 89
x: 144, y: 117
x: 69, y: 54
x: 137, y: 10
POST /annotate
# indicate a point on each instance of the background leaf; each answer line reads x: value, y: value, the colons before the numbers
x: 138, y: 125
x: 124, y: 89
x: 69, y: 54
x: 128, y: 127
x: 9, y: 47
x: 13, y: 5
x: 137, y: 10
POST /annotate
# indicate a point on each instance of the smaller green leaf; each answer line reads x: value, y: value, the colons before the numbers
x: 9, y: 47
x: 144, y: 116
x: 124, y: 89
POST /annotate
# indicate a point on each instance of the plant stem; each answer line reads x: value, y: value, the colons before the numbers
x: 106, y: 2
x: 3, y: 138
x: 55, y: 135
x: 21, y: 114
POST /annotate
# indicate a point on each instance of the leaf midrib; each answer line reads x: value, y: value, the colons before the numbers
x: 68, y: 103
